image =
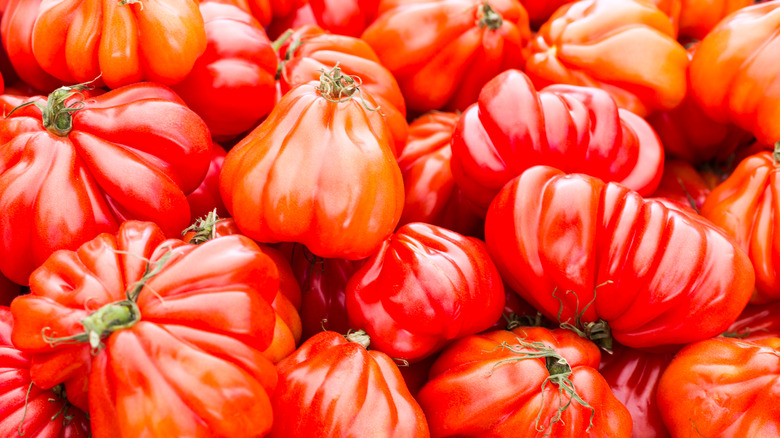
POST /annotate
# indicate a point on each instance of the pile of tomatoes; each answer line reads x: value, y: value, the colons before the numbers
x: 376, y: 218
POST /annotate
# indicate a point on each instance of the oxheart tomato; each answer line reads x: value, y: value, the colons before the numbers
x: 734, y: 76
x: 431, y: 195
x: 442, y: 52
x: 320, y: 170
x: 73, y: 165
x: 576, y: 129
x: 155, y: 337
x: 310, y: 50
x: 232, y: 84
x: 26, y: 410
x: 529, y: 382
x: 423, y: 288
x: 333, y: 386
x: 722, y: 387
x: 595, y: 254
x: 745, y: 206
x: 121, y: 42
x: 626, y: 47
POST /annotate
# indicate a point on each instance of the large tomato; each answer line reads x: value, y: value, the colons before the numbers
x: 333, y: 386
x: 735, y: 76
x: 431, y: 195
x: 528, y: 382
x: 320, y: 170
x: 576, y: 129
x: 310, y: 49
x: 74, y: 165
x: 232, y: 85
x: 745, y: 206
x: 626, y: 47
x: 350, y: 17
x: 266, y: 10
x: 26, y: 410
x: 157, y: 337
x: 442, y: 52
x: 16, y: 34
x: 722, y: 387
x: 119, y: 42
x: 597, y: 256
x: 423, y: 288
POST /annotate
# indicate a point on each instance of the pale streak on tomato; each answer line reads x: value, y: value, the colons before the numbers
x: 118, y: 51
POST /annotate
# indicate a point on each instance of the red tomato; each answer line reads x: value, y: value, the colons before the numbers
x: 591, y: 254
x: 27, y: 410
x: 8, y: 291
x: 323, y: 285
x: 319, y: 170
x: 232, y: 85
x: 141, y: 327
x: 576, y: 129
x: 757, y: 321
x: 287, y: 301
x: 745, y: 207
x: 529, y: 382
x: 443, y: 51
x: 206, y: 197
x: 423, y: 288
x: 121, y: 42
x: 310, y: 49
x: 132, y: 153
x: 341, y: 17
x: 334, y: 386
x: 626, y: 47
x: 266, y: 10
x: 633, y: 376
x: 722, y: 387
x: 431, y: 195
x: 16, y: 34
x: 735, y: 76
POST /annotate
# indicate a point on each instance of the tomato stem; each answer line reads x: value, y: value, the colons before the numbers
x: 776, y: 154
x: 358, y: 337
x: 489, y: 17
x: 598, y: 332
x: 204, y: 228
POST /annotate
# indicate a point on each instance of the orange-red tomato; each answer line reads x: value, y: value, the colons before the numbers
x: 443, y: 51
x: 16, y: 31
x: 119, y: 42
x: 699, y: 17
x: 722, y: 387
x: 626, y: 47
x: 735, y: 76
x: 320, y: 170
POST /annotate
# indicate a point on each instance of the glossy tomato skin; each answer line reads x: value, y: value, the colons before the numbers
x: 27, y: 410
x: 442, y: 52
x: 734, y: 75
x: 627, y: 48
x: 697, y: 398
x: 120, y: 42
x: 206, y: 197
x: 576, y: 129
x: 423, y: 288
x: 203, y: 304
x: 266, y: 10
x: 318, y: 384
x: 318, y: 172
x: 341, y: 17
x: 16, y: 34
x: 311, y: 49
x: 232, y: 84
x: 431, y: 195
x: 757, y: 321
x: 745, y: 207
x: 134, y: 152
x: 479, y: 386
x: 658, y: 276
x: 633, y: 376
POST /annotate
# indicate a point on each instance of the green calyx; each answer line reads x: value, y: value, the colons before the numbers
x: 559, y: 375
x: 596, y: 331
x: 56, y: 116
x: 204, y: 228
